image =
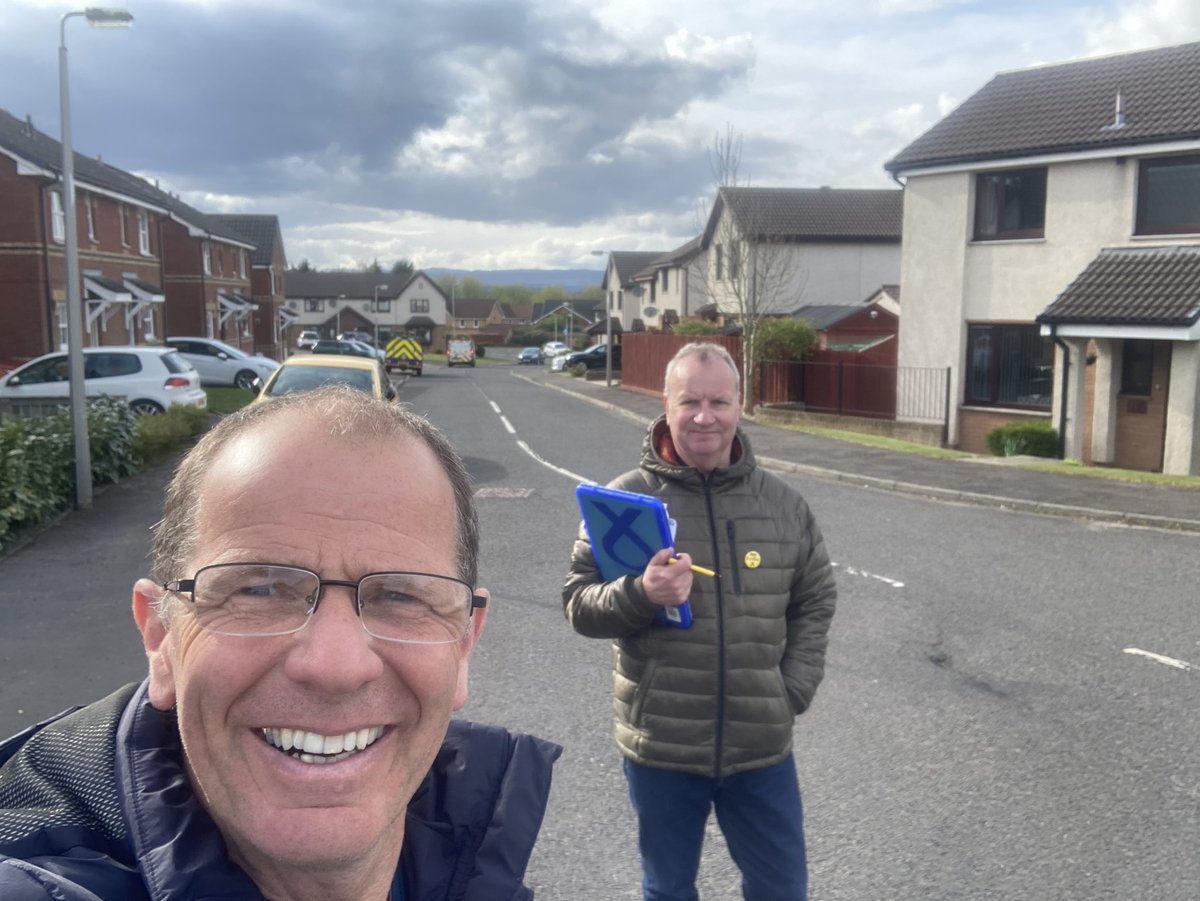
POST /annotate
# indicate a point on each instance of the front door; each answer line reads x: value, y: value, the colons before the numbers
x: 1142, y: 404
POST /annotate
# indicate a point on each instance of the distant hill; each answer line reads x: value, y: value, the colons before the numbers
x: 568, y: 279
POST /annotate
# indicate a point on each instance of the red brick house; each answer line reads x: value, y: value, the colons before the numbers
x: 150, y: 264
x: 268, y: 263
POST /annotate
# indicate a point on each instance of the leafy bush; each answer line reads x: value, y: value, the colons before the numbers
x: 578, y: 371
x: 159, y: 436
x: 1037, y: 439
x: 694, y: 327
x: 111, y: 427
x: 784, y: 338
x: 530, y: 337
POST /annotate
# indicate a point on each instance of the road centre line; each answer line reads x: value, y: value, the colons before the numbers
x: 853, y: 571
x: 1165, y: 661
x: 507, y: 424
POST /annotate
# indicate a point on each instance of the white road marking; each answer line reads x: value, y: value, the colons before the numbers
x: 495, y: 406
x: 1165, y: 661
x: 854, y: 571
x: 507, y: 424
x: 566, y: 472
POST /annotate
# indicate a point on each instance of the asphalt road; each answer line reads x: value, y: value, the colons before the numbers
x: 982, y: 731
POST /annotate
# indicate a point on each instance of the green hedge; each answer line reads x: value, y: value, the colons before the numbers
x: 1037, y: 439
x: 37, y: 462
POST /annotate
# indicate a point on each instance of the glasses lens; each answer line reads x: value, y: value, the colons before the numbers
x: 414, y: 607
x: 253, y: 599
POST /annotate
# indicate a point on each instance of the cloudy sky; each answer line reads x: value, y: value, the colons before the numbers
x: 499, y: 134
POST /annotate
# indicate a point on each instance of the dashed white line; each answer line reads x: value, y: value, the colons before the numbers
x: 1165, y: 661
x: 507, y: 424
x: 854, y: 571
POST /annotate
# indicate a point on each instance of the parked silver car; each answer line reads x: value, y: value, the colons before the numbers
x: 149, y: 378
x: 223, y: 364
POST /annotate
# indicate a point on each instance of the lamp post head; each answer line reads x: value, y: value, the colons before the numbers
x: 108, y: 17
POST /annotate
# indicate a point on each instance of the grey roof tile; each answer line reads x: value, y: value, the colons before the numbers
x: 259, y: 229
x: 813, y: 214
x: 1132, y: 286
x: 1068, y: 107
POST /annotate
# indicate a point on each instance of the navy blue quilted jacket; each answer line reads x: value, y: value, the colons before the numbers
x: 95, y: 804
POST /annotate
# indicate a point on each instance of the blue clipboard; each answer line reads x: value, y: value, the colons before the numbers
x: 625, y: 530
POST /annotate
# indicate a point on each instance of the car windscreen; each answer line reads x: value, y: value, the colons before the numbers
x: 293, y: 379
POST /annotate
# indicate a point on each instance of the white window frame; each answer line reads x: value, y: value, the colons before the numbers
x: 272, y: 271
x: 60, y: 312
x: 206, y: 257
x: 144, y: 234
x: 58, y: 218
x: 242, y: 262
x: 121, y: 212
x: 148, y: 331
x: 91, y: 217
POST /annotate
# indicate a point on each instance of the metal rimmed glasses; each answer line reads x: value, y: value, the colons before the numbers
x: 267, y: 599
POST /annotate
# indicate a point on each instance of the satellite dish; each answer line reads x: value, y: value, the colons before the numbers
x: 650, y: 312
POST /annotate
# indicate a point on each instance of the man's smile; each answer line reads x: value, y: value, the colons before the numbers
x: 313, y: 747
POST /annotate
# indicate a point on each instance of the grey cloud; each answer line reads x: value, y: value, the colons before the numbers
x: 223, y: 97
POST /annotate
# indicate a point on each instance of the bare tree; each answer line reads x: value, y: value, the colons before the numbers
x: 749, y: 270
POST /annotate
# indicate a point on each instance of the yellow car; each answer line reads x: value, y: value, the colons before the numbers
x: 304, y: 372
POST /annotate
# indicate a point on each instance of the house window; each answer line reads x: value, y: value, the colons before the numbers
x: 1169, y: 195
x: 418, y: 306
x: 1137, y: 367
x: 314, y: 306
x: 143, y: 233
x: 206, y: 255
x: 476, y: 325
x: 60, y: 315
x: 272, y: 271
x: 664, y: 280
x: 1010, y: 204
x: 241, y: 263
x: 733, y: 262
x: 720, y: 262
x: 149, y: 326
x: 121, y: 220
x: 1009, y: 366
x: 57, y: 228
x: 383, y: 305
x: 91, y: 218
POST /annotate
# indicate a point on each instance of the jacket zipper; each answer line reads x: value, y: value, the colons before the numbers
x: 719, y: 738
x: 733, y: 560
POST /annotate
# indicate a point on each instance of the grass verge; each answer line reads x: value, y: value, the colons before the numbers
x: 227, y: 400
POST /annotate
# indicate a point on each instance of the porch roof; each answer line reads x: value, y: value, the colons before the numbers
x: 1132, y: 286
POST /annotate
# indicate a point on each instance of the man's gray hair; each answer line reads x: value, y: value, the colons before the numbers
x: 703, y: 351
x: 343, y: 413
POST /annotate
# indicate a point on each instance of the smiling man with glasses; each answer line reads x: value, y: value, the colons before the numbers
x: 309, y: 626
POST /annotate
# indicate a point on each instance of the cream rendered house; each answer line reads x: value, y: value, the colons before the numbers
x: 1051, y: 256
x: 773, y: 250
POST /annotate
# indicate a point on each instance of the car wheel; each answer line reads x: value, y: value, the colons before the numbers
x: 244, y: 380
x: 143, y: 407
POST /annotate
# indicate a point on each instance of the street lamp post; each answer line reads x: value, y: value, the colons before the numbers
x: 378, y: 288
x: 98, y: 17
x: 607, y: 322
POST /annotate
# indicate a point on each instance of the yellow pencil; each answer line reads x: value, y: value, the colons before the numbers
x: 696, y: 569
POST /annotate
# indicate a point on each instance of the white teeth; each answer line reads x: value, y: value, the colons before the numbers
x: 313, y: 747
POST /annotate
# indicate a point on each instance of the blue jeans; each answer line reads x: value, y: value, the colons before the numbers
x: 759, y: 812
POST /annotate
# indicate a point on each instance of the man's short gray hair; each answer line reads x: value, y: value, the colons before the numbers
x: 703, y: 351
x: 343, y: 413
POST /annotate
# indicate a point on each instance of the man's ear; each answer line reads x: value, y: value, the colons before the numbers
x: 478, y: 618
x: 147, y: 595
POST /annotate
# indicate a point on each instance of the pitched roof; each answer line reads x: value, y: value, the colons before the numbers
x: 671, y: 258
x: 259, y: 230
x: 311, y: 283
x: 1068, y: 107
x: 1132, y: 286
x: 629, y: 263
x: 811, y: 214
x: 21, y: 140
x: 822, y: 316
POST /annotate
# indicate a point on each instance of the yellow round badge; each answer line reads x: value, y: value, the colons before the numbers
x: 753, y: 559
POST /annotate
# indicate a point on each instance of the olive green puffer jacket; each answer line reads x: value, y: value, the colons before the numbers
x: 720, y: 697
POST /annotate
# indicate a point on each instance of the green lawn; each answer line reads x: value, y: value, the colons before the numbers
x: 227, y: 400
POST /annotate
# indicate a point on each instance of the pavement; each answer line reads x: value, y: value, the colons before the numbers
x: 984, y: 480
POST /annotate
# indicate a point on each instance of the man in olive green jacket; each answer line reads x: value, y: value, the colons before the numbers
x: 704, y: 715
